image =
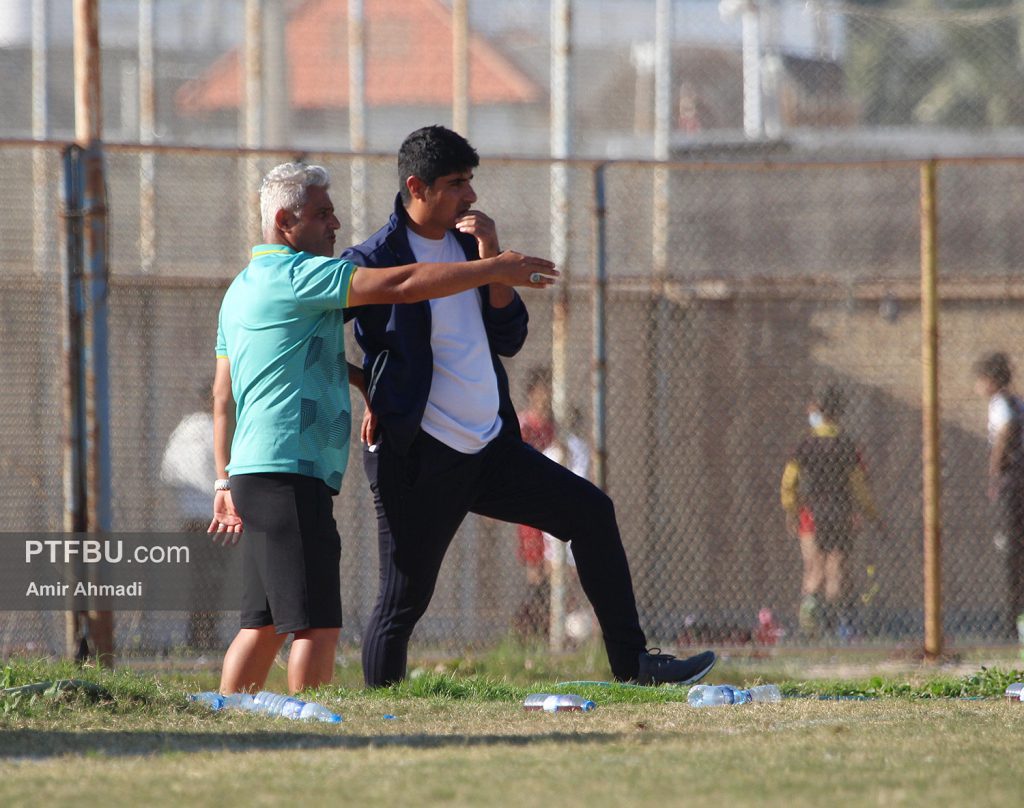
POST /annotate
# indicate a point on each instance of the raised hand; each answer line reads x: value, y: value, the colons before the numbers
x: 483, y: 229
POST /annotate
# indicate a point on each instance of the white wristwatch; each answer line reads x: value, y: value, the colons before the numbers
x: 222, y: 485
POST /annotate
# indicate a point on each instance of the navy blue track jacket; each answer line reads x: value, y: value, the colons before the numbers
x: 395, y: 339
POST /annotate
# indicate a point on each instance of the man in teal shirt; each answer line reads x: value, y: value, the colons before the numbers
x: 282, y: 416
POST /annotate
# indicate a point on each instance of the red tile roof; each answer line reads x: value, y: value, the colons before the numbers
x: 408, y: 61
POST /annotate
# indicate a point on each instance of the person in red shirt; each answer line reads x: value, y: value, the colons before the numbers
x: 537, y: 423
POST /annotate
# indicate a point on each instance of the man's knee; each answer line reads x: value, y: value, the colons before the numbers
x: 398, y: 616
x: 599, y: 505
x: 319, y: 636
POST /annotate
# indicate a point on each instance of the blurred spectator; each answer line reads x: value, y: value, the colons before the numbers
x: 537, y: 423
x: 185, y: 469
x: 1006, y: 469
x: 823, y: 487
x: 571, y: 450
x: 537, y: 549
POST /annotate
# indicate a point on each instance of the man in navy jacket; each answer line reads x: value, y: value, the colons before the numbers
x: 443, y: 437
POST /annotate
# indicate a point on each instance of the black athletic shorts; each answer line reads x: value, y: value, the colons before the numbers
x: 291, y: 552
x: 831, y: 534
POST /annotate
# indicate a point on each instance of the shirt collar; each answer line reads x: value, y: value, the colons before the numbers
x: 271, y: 249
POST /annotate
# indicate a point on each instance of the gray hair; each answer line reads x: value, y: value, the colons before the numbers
x: 284, y: 188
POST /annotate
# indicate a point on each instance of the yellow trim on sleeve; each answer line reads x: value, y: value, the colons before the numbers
x: 348, y: 286
x: 222, y: 356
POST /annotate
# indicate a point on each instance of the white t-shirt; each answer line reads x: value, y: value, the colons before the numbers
x: 999, y: 415
x: 188, y: 465
x: 462, y: 408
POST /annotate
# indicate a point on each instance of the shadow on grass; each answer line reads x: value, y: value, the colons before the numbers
x: 33, y: 743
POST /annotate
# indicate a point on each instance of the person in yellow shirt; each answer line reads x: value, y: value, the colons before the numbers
x: 824, y: 487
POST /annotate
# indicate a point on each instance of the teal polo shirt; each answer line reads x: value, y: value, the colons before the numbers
x: 282, y: 330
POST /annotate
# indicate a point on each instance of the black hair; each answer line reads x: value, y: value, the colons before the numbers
x: 831, y: 401
x: 995, y: 367
x: 433, y: 152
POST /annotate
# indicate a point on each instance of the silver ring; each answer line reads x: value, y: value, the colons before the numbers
x: 536, y: 277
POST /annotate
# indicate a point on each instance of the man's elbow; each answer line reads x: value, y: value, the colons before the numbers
x: 510, y: 345
x: 223, y: 402
x: 405, y: 291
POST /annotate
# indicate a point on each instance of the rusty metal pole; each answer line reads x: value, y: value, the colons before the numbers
x: 460, y: 67
x: 930, y: 408
x: 147, y: 135
x: 42, y: 237
x: 357, y: 118
x: 253, y: 120
x: 89, y: 136
x: 74, y: 393
x: 276, y: 95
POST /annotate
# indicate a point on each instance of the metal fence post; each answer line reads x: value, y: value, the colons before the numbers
x: 147, y: 135
x: 600, y: 346
x: 40, y: 130
x: 357, y: 117
x: 561, y: 146
x: 253, y: 121
x: 460, y: 67
x: 88, y: 135
x: 74, y: 391
x: 930, y: 409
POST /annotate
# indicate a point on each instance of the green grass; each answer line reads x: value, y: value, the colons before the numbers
x: 460, y: 737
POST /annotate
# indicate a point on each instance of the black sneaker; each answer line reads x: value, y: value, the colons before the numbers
x: 657, y: 668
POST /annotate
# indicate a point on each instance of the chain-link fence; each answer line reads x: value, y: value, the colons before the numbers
x: 757, y: 75
x: 734, y: 293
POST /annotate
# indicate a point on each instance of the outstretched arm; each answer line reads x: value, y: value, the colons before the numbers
x: 415, y: 282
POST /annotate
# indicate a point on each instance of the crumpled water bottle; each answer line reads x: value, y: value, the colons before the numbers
x: 1015, y: 692
x: 718, y: 695
x: 291, y: 707
x: 558, y: 703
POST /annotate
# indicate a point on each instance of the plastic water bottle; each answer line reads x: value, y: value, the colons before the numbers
x: 217, y: 701
x: 291, y: 707
x: 766, y: 694
x: 1015, y: 692
x: 717, y: 695
x: 558, y: 702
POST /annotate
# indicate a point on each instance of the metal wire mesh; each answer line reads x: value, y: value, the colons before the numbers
x: 778, y: 280
x: 780, y: 253
x: 751, y: 76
